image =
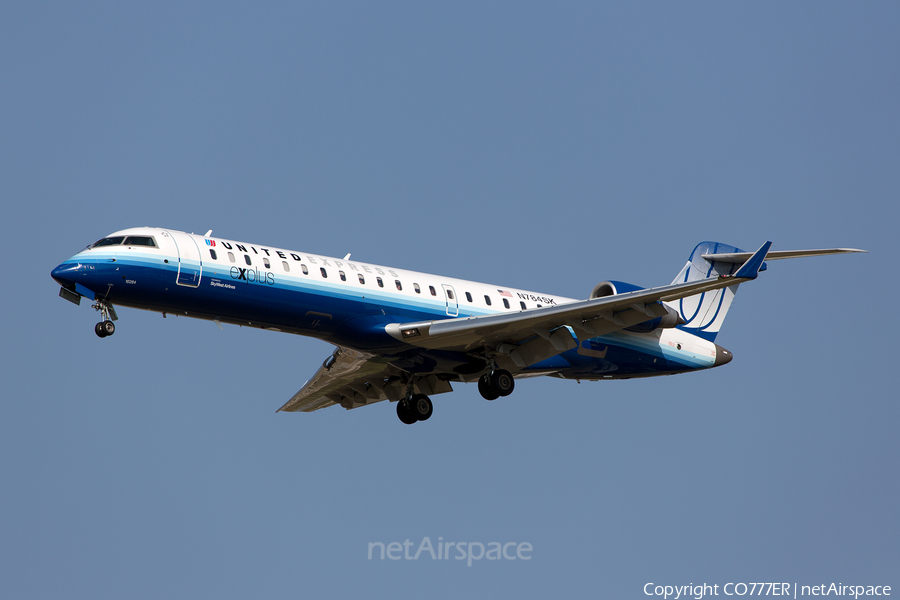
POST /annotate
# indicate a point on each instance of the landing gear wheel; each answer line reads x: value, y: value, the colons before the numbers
x: 421, y: 407
x: 405, y: 412
x: 502, y: 382
x: 485, y: 388
x: 109, y: 328
x: 105, y: 327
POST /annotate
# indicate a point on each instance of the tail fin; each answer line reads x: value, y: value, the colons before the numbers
x: 704, y: 313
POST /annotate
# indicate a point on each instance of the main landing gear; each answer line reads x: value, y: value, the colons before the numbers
x: 495, y: 384
x: 106, y: 327
x: 415, y: 408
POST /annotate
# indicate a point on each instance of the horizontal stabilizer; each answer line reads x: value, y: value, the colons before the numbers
x: 750, y: 269
x: 741, y: 257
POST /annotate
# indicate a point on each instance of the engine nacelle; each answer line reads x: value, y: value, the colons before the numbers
x: 611, y: 288
x: 670, y: 319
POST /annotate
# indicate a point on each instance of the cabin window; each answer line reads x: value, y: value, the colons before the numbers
x: 506, y: 303
x: 468, y: 296
x: 267, y: 263
x: 231, y: 256
x: 343, y: 275
x: 304, y: 269
x: 431, y: 289
x: 362, y: 279
x: 380, y: 282
x: 140, y: 240
x: 286, y: 266
x: 417, y: 288
x: 522, y: 304
x: 399, y: 287
x: 450, y: 294
x: 212, y: 254
x: 247, y: 259
x: 487, y: 299
x: 323, y: 272
x: 110, y: 241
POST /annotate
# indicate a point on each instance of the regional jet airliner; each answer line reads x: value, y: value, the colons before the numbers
x: 404, y: 336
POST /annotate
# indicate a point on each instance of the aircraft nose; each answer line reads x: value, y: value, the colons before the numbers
x: 65, y: 274
x: 723, y: 356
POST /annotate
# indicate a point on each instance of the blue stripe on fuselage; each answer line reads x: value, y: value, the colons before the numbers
x: 339, y: 312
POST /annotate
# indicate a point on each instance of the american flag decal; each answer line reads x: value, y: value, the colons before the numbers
x: 505, y: 293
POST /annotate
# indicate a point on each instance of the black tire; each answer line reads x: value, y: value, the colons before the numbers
x: 109, y: 327
x: 100, y: 330
x: 502, y: 381
x: 486, y: 389
x: 405, y: 413
x: 421, y: 407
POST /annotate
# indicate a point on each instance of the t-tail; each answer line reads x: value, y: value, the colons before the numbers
x: 704, y: 313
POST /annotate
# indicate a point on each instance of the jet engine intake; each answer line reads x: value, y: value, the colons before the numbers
x: 666, y: 319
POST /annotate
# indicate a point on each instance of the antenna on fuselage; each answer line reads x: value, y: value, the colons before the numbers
x: 347, y: 257
x: 208, y: 233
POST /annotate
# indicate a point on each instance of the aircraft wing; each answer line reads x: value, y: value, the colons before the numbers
x: 532, y: 335
x: 353, y: 379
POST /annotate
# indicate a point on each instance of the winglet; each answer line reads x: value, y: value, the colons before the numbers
x: 750, y: 269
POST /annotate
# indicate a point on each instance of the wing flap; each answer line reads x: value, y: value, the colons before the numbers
x: 353, y: 379
x: 342, y: 379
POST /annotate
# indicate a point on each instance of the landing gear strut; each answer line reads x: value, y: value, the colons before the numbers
x: 498, y: 383
x: 106, y: 327
x: 415, y: 408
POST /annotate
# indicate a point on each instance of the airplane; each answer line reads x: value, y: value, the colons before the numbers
x: 404, y: 336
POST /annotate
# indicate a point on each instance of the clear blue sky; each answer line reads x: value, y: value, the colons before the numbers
x: 541, y: 146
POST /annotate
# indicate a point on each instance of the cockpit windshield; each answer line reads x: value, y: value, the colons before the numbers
x: 110, y: 241
x: 121, y: 240
x: 140, y: 240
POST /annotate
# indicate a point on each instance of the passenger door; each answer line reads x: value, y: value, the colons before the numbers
x: 190, y: 262
x: 452, y: 301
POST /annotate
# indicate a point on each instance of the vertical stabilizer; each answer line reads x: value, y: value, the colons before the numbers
x: 704, y: 313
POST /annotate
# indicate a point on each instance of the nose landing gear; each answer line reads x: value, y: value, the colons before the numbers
x: 106, y: 327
